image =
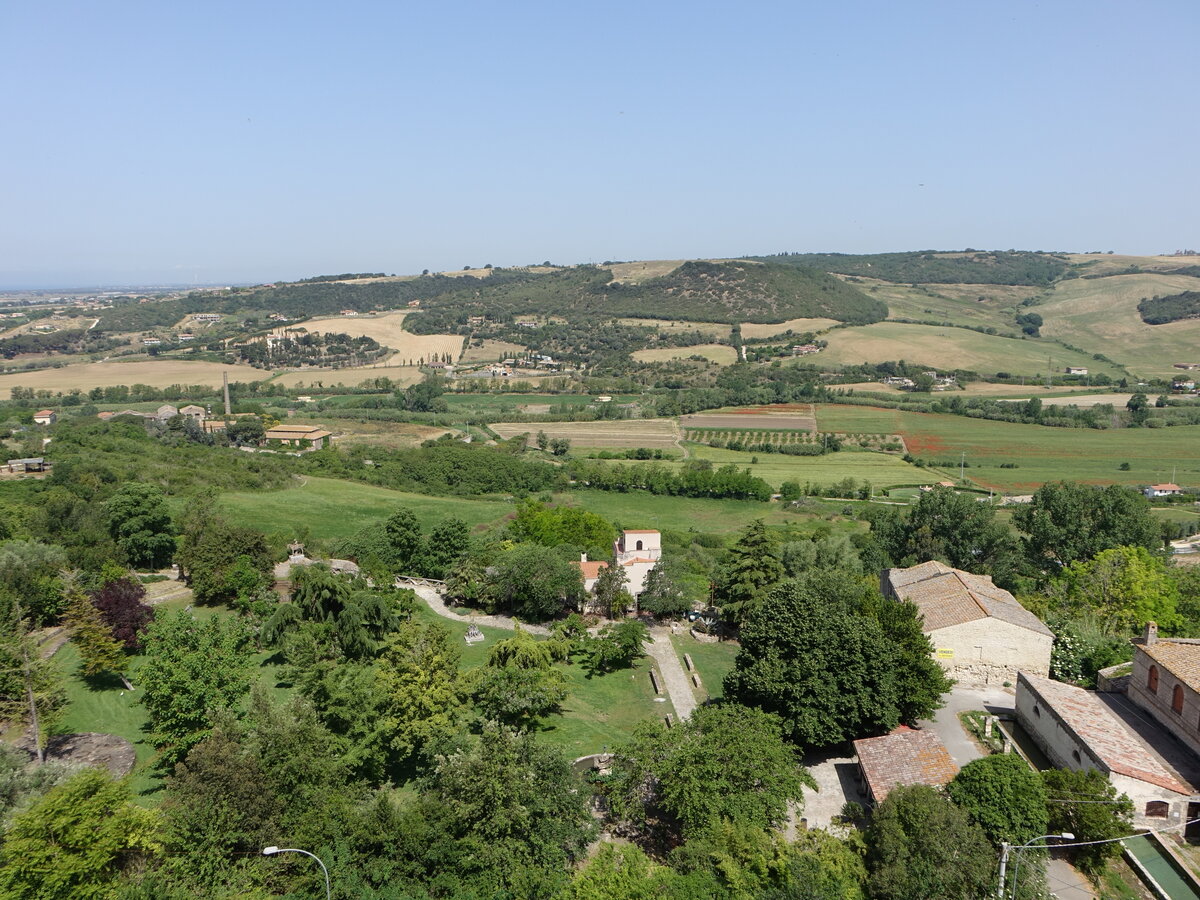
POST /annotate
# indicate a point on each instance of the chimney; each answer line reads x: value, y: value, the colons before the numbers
x: 225, y: 381
x: 1150, y: 636
x: 583, y: 557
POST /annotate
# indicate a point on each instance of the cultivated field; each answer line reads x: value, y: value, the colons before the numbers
x: 982, y: 389
x: 388, y: 329
x: 880, y: 469
x: 491, y: 351
x: 1040, y: 454
x: 1101, y: 315
x: 637, y: 272
x: 374, y: 434
x: 951, y: 348
x: 722, y: 354
x: 672, y: 325
x: 320, y: 379
x: 156, y: 373
x: 783, y: 416
x: 626, y: 433
x: 799, y: 326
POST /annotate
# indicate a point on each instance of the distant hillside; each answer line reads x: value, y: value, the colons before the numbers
x: 1172, y: 308
x: 736, y: 291
x: 933, y: 267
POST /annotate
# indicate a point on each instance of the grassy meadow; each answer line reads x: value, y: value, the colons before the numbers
x: 334, y: 509
x: 1041, y: 454
x: 951, y: 348
x: 712, y: 661
x: 775, y: 468
x: 1100, y: 315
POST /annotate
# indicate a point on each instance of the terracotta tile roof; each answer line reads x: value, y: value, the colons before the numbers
x: 638, y: 559
x: 949, y: 597
x: 904, y: 757
x: 1095, y: 726
x: 1179, y: 657
x: 591, y: 568
x: 44, y: 412
x: 640, y: 531
x: 1165, y: 487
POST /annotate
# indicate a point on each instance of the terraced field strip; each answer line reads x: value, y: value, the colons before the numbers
x: 779, y: 417
x: 626, y: 433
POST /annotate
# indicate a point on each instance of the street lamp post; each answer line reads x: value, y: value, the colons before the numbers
x: 1006, y: 847
x: 271, y: 851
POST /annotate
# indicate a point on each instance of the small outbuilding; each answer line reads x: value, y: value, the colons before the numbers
x: 905, y: 757
x: 1162, y: 490
x: 45, y: 417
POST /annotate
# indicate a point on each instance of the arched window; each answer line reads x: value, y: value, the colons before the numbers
x: 1152, y: 680
x: 1177, y: 699
x: 639, y: 545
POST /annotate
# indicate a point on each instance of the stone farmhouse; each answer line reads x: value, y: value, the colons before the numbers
x: 1078, y: 730
x: 637, y: 551
x: 980, y: 633
x: 1165, y: 683
x: 45, y: 417
x: 302, y: 437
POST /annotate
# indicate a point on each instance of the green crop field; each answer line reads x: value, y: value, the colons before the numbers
x: 880, y: 469
x: 1100, y: 315
x: 951, y: 348
x: 1042, y: 454
x: 336, y: 509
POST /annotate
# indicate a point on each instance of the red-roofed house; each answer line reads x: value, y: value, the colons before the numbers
x: 980, y: 633
x: 45, y: 417
x: 1162, y: 490
x: 636, y: 551
x: 905, y: 757
x: 1076, y: 730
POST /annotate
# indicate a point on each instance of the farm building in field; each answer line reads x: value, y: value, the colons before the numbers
x: 28, y: 465
x: 1162, y: 490
x: 905, y: 757
x: 980, y: 633
x: 1076, y: 370
x: 303, y: 437
x: 1165, y: 682
x: 45, y: 417
x: 1077, y: 730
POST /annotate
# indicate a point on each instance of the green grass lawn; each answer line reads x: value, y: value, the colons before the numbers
x: 337, y: 509
x: 1042, y: 454
x: 713, y: 662
x: 881, y: 469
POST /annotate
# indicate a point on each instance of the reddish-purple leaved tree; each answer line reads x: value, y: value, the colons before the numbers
x: 120, y: 604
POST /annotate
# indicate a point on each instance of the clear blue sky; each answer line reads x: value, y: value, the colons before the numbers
x: 242, y: 141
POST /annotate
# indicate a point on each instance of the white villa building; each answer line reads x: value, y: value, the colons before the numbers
x: 637, y: 551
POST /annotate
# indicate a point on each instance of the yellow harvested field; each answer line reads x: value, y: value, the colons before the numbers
x: 722, y: 354
x: 676, y: 325
x: 155, y: 373
x: 388, y: 329
x: 766, y: 330
x: 491, y: 351
x: 1103, y: 262
x: 977, y: 389
x: 637, y: 272
x: 630, y: 433
x: 349, y: 377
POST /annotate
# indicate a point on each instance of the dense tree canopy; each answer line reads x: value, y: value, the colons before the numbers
x: 813, y: 653
x: 535, y: 583
x: 1003, y: 796
x: 140, y: 523
x: 1068, y: 522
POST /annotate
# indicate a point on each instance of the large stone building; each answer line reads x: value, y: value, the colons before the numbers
x: 1165, y: 682
x: 1077, y: 730
x: 980, y: 633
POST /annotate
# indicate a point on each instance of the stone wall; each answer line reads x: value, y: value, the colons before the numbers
x: 1185, y: 725
x: 989, y: 651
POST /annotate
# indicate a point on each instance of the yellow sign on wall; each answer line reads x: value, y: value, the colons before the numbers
x: 944, y: 653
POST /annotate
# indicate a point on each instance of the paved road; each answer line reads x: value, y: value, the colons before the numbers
x: 1063, y: 879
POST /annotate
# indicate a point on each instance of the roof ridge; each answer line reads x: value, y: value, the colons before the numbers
x: 971, y: 593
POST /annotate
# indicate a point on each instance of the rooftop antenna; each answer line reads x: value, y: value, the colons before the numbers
x: 225, y: 381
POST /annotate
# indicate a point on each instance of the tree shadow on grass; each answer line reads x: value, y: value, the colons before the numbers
x: 104, y: 681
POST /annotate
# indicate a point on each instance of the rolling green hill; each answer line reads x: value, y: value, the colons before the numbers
x: 736, y: 291
x: 934, y: 267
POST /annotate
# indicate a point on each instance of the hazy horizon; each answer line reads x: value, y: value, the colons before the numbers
x: 233, y: 143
